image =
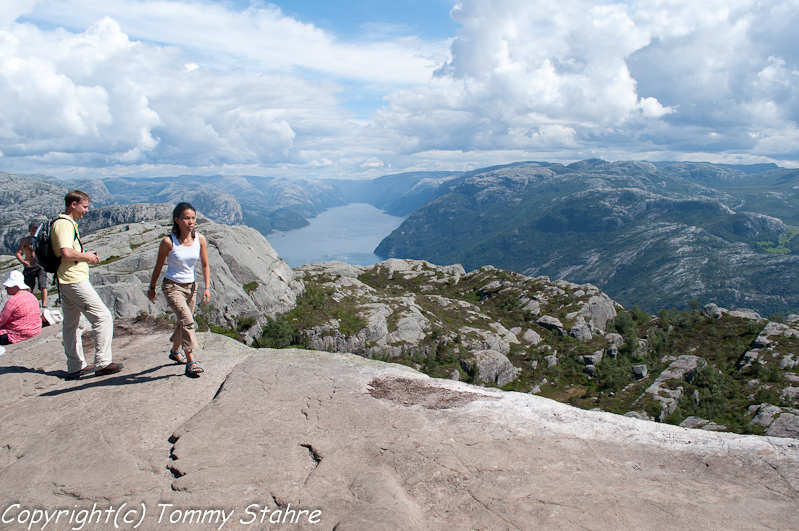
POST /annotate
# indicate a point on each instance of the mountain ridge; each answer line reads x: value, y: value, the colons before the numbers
x: 621, y: 226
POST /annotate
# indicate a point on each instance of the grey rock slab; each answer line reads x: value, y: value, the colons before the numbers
x: 99, y: 438
x: 551, y: 323
x: 369, y: 445
x: 786, y: 425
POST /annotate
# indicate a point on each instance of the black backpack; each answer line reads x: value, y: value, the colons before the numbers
x: 43, y: 250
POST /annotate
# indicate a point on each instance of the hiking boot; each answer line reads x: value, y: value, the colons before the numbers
x: 109, y: 369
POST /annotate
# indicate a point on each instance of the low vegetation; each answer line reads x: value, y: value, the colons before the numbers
x: 460, y: 314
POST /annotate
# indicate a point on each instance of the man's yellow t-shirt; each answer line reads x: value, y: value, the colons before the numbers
x: 64, y: 235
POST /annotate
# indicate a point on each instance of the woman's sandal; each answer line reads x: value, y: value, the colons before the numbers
x: 178, y: 357
x: 193, y: 369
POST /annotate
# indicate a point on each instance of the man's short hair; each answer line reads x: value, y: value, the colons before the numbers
x: 33, y: 225
x: 75, y: 196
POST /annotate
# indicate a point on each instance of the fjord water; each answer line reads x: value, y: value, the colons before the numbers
x: 348, y: 233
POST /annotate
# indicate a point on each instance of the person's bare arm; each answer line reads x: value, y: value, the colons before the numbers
x: 21, y: 248
x: 206, y: 269
x: 163, y: 251
x: 68, y: 253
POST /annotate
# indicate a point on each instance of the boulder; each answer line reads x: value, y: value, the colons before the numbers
x: 532, y: 337
x: 764, y: 414
x: 712, y: 311
x: 492, y: 367
x: 592, y: 359
x: 612, y: 352
x: 684, y: 368
x: 694, y: 422
x: 745, y: 314
x: 533, y: 306
x: 581, y: 331
x: 598, y: 311
x: 614, y: 339
x: 639, y: 372
x: 790, y: 394
x: 551, y: 323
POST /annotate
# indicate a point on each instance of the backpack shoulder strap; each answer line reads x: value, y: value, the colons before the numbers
x: 76, y: 237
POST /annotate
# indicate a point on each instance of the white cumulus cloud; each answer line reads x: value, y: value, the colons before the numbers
x: 191, y: 85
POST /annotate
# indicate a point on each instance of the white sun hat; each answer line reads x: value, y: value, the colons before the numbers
x: 16, y: 279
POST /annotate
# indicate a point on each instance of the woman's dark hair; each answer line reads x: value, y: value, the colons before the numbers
x: 180, y: 209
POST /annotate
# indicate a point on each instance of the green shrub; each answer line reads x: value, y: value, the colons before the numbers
x: 278, y: 333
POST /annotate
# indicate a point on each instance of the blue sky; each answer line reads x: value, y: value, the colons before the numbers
x: 428, y: 19
x: 359, y: 89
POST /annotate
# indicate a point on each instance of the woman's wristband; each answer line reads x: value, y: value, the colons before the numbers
x: 152, y: 288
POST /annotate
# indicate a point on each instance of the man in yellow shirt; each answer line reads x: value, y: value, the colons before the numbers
x: 77, y: 294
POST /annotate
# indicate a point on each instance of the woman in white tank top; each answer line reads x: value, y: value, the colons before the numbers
x: 181, y: 249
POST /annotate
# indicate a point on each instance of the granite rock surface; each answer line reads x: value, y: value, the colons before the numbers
x: 357, y: 444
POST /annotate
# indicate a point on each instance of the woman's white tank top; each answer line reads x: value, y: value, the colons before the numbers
x: 181, y: 260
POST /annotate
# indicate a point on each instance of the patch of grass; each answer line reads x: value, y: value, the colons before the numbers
x: 229, y: 332
x: 110, y: 259
x: 249, y: 287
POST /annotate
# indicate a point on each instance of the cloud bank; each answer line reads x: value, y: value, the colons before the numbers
x: 160, y: 87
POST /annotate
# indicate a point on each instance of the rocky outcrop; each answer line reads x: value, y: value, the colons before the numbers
x: 683, y: 368
x: 249, y: 282
x: 400, y: 323
x: 335, y: 441
x: 777, y: 421
x: 764, y: 344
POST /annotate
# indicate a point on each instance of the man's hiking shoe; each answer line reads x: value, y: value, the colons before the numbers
x: 109, y: 369
x: 88, y: 369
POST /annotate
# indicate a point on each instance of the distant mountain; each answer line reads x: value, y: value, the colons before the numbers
x: 656, y: 237
x: 399, y: 194
x: 264, y: 203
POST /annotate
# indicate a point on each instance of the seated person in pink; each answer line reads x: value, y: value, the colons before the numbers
x: 20, y: 319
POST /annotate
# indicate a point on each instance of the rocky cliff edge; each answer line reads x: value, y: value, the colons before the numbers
x: 317, y: 440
